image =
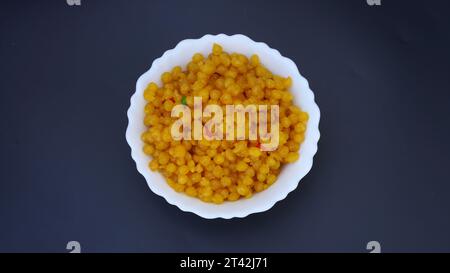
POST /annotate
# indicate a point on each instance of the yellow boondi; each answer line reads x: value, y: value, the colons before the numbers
x: 220, y: 170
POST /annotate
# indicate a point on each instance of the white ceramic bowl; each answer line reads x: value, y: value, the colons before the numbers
x: 290, y: 175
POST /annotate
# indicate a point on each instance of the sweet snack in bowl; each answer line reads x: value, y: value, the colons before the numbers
x: 223, y: 126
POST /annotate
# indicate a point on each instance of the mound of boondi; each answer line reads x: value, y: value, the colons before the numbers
x: 219, y: 170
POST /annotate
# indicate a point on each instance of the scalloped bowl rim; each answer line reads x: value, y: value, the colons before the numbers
x: 291, y: 174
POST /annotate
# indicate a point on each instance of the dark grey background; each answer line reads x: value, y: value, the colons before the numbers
x: 381, y: 79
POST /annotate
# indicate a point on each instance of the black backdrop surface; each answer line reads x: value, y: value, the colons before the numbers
x: 381, y: 79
